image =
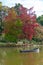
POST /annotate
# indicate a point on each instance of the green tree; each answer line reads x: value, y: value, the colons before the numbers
x: 1, y: 21
x: 40, y: 20
x: 12, y: 26
x: 17, y: 8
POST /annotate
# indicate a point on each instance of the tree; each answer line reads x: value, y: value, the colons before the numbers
x: 16, y: 7
x: 1, y: 19
x: 10, y: 20
x: 29, y: 22
x: 13, y: 26
x: 40, y: 20
x: 0, y: 5
x: 21, y: 25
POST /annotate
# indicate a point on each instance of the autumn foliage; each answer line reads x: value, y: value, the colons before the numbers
x: 22, y: 25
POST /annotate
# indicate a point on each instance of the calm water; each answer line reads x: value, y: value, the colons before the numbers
x: 11, y: 56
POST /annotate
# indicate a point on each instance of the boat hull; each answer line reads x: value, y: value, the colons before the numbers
x: 33, y: 50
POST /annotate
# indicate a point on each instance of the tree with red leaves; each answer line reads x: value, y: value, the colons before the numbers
x: 29, y: 22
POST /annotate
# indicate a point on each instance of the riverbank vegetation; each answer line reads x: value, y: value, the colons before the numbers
x: 20, y: 24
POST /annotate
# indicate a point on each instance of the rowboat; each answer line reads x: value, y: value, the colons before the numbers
x: 33, y: 50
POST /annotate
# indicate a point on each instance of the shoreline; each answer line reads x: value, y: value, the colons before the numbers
x: 5, y: 45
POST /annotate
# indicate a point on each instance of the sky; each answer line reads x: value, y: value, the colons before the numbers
x: 37, y: 4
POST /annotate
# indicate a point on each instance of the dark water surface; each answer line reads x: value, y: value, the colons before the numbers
x: 11, y: 56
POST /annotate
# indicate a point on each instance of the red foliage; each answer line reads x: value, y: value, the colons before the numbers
x: 28, y: 30
x: 7, y: 18
x: 29, y: 22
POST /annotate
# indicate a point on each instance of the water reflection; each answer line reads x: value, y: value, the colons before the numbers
x: 10, y: 56
x: 2, y: 56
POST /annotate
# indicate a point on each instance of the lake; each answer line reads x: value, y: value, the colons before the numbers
x: 11, y: 56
